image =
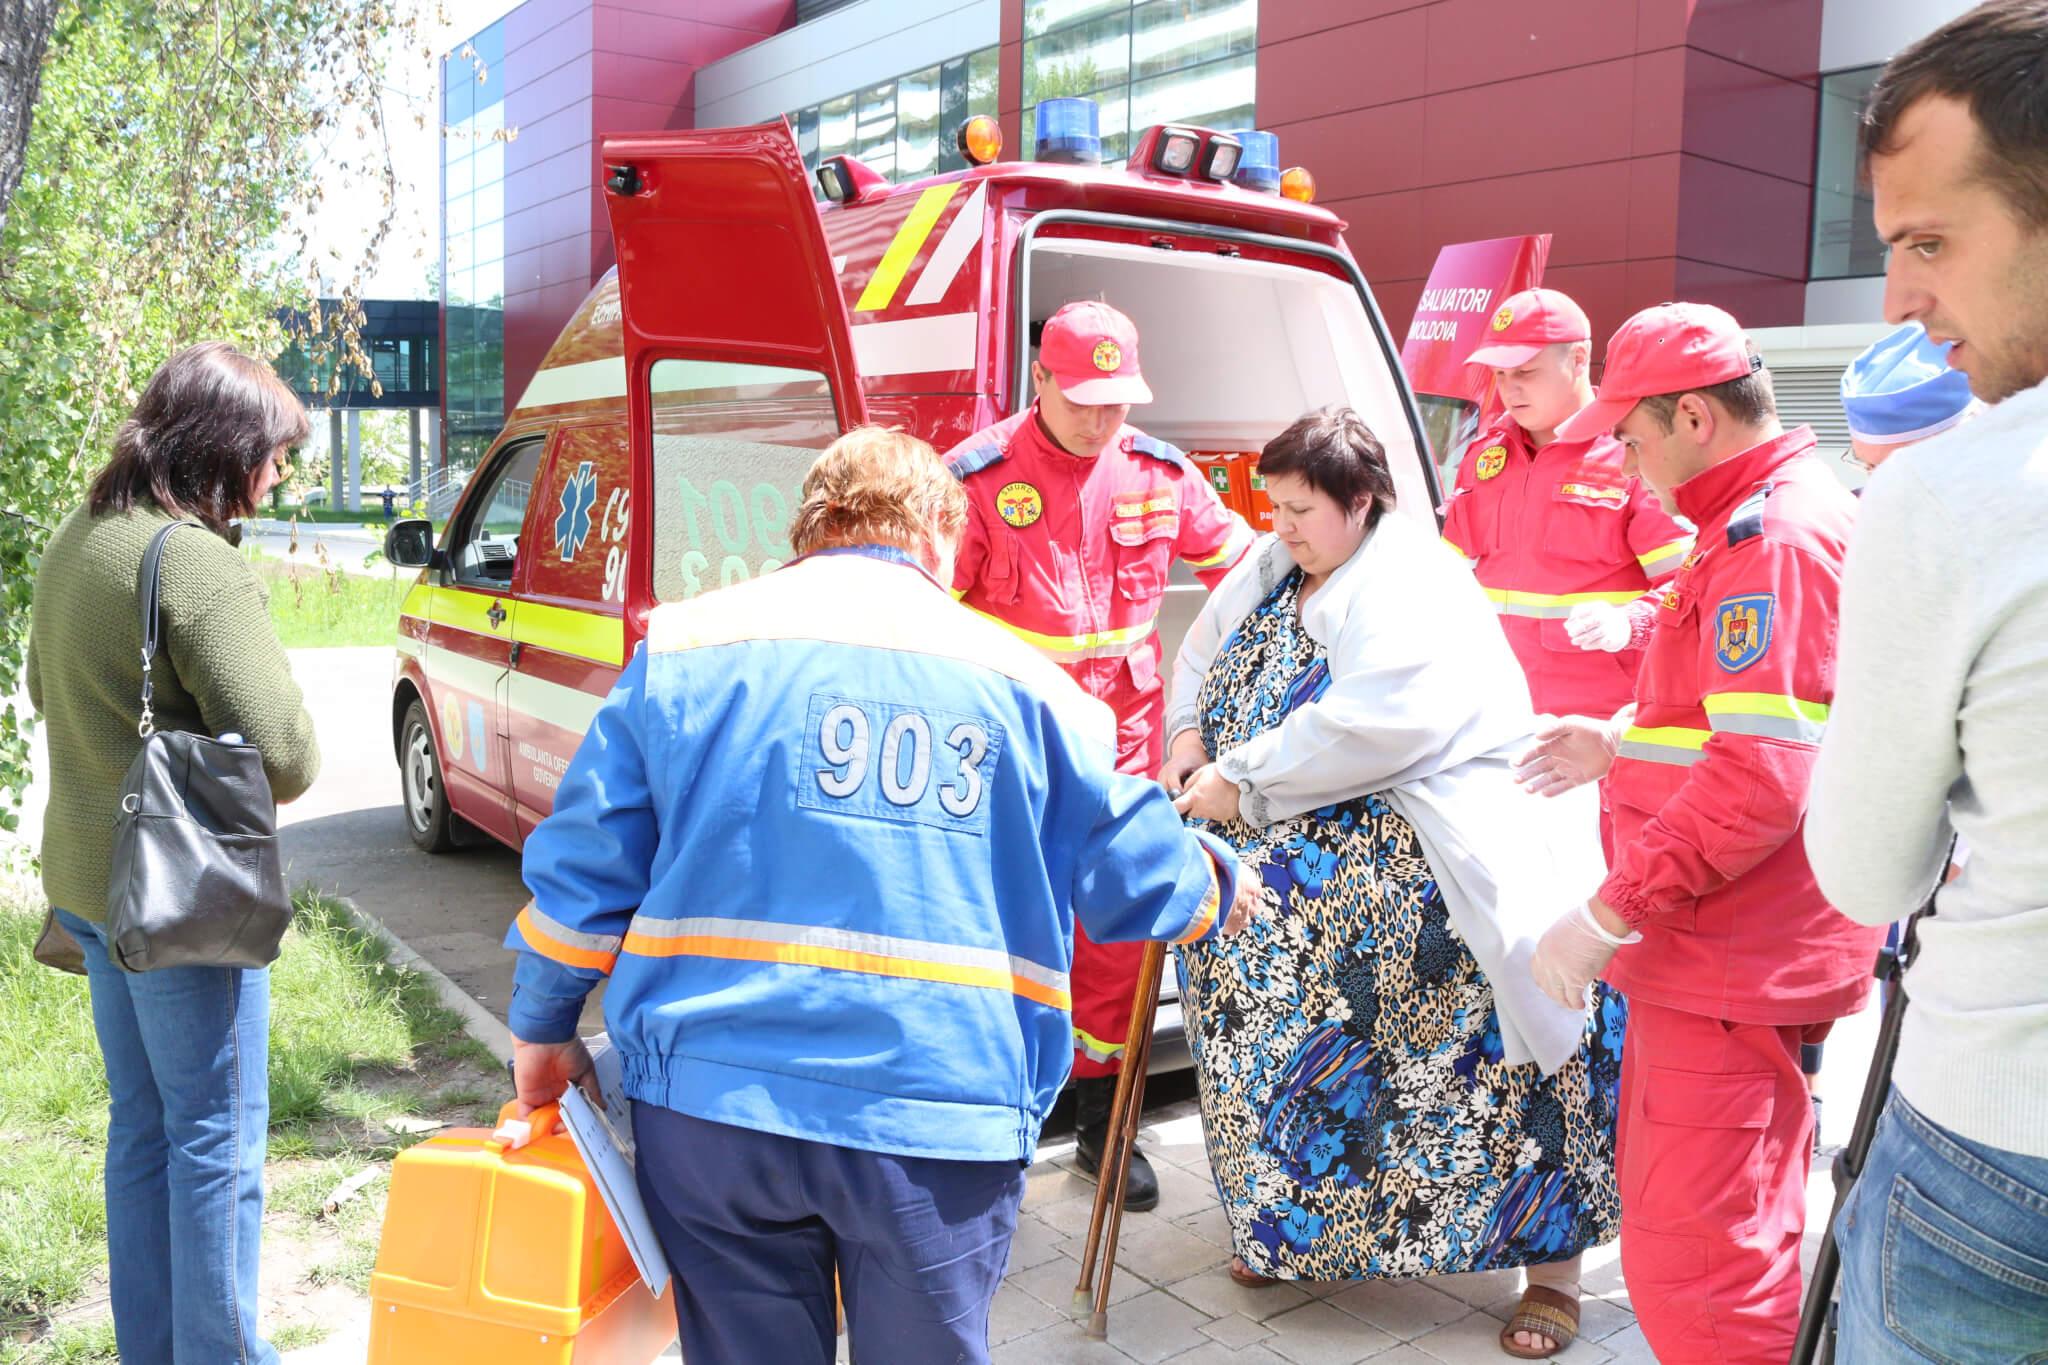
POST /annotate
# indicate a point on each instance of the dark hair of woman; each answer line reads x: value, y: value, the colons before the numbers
x: 209, y: 420
x: 1333, y: 451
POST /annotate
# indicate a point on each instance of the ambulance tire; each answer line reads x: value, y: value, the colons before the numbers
x: 433, y: 826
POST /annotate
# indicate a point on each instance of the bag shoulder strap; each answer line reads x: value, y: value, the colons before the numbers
x: 149, y: 591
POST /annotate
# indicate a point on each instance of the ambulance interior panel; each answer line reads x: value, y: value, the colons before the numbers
x: 1235, y: 349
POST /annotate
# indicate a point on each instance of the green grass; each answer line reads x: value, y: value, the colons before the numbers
x: 353, y: 1041
x: 312, y: 607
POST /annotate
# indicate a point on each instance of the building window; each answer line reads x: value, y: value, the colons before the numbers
x: 473, y: 251
x: 1143, y: 62
x: 1845, y: 242
x: 904, y: 128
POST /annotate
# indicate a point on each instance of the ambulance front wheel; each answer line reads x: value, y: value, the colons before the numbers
x: 427, y: 817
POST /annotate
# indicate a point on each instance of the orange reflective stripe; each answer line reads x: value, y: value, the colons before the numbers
x: 1205, y: 913
x: 562, y: 945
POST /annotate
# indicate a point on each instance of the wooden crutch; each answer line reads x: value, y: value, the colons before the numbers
x: 1124, y: 1113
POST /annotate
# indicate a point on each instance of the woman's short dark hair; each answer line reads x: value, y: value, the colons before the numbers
x: 208, y: 420
x: 1333, y: 451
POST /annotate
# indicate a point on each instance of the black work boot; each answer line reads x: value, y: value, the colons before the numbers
x: 1093, y: 1099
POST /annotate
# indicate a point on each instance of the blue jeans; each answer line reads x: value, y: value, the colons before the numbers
x: 1944, y: 1248
x: 187, y: 1052
x: 755, y: 1224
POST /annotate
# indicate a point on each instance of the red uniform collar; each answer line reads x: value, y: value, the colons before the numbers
x: 1515, y: 437
x: 1705, y: 498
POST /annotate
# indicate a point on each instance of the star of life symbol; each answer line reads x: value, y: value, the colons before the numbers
x: 579, y: 495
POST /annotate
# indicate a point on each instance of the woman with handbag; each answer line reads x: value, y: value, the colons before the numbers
x: 186, y: 1047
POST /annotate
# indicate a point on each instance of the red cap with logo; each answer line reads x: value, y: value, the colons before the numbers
x: 1672, y: 348
x: 1525, y: 324
x: 1092, y: 351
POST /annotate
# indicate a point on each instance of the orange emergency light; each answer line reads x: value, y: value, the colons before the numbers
x: 1297, y: 184
x: 981, y: 140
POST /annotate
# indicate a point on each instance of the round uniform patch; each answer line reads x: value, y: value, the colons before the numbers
x: 451, y: 727
x: 1492, y: 460
x: 1019, y: 504
x: 1501, y: 319
x: 1108, y: 355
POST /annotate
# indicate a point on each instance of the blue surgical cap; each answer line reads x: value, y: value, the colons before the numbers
x: 1902, y: 389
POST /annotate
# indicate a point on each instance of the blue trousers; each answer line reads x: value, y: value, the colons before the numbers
x: 1944, y: 1248
x: 754, y: 1225
x: 187, y: 1052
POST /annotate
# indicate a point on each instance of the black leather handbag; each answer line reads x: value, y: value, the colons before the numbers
x: 197, y: 879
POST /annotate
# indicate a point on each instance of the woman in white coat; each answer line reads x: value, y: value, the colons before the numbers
x: 1385, y: 1092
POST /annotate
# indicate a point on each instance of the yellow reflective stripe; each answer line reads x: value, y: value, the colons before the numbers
x: 418, y: 602
x: 1093, y: 1048
x: 1210, y: 561
x: 1093, y: 644
x: 1551, y: 605
x: 917, y: 225
x: 470, y: 611
x: 802, y: 945
x: 594, y: 635
x: 1679, y: 744
x: 1771, y: 715
x: 1458, y: 550
x: 1138, y: 509
x: 1664, y: 554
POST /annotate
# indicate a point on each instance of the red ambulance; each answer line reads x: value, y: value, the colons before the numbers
x: 658, y: 451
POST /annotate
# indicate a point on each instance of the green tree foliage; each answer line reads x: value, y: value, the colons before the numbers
x: 178, y: 150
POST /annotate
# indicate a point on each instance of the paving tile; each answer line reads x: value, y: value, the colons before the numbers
x: 1015, y: 1313
x: 1183, y: 1191
x: 1401, y: 1353
x: 1629, y: 1348
x: 1235, y: 1331
x: 1209, y: 1224
x: 1061, y: 1344
x: 1051, y: 1184
x: 1405, y: 1309
x: 1216, y: 1294
x: 1317, y: 1334
x: 1165, y: 1254
x: 1034, y: 1243
x: 1070, y: 1218
x: 1480, y: 1288
x: 1215, y: 1353
x: 1052, y: 1284
x: 1154, y: 1326
x: 1475, y: 1340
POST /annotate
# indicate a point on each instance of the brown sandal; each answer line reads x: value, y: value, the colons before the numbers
x: 1240, y: 1273
x: 1541, y: 1313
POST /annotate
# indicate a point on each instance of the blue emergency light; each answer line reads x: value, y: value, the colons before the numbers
x: 1259, y: 166
x: 1069, y: 132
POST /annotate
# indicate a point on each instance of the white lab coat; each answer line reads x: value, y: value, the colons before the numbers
x: 1427, y: 705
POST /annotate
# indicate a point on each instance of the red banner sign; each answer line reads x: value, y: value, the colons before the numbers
x: 1467, y: 284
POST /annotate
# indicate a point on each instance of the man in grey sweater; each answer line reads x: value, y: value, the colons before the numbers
x: 1940, y: 719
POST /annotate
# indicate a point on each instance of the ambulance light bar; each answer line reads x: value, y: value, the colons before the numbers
x: 1069, y: 132
x: 1186, y: 153
x: 1220, y: 156
x: 1174, y: 153
x: 1259, y: 167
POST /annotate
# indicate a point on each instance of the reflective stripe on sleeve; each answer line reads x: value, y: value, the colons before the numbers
x: 1098, y: 644
x: 1656, y: 561
x: 1094, y: 1049
x: 557, y: 941
x: 801, y: 945
x: 1769, y: 715
x: 1551, y: 606
x: 1678, y: 744
x: 1212, y: 901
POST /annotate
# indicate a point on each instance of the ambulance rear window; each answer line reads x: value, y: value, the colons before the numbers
x: 732, y: 444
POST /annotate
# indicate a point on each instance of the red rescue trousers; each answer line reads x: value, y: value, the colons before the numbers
x: 1105, y: 975
x: 1713, y: 1149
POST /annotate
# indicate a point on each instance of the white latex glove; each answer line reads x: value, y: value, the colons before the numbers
x: 1571, y: 955
x: 1598, y: 625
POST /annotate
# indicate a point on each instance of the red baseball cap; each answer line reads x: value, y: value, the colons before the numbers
x: 1672, y: 348
x: 1525, y: 324
x: 1092, y: 351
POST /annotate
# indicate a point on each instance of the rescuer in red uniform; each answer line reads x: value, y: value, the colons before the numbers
x: 1557, y: 534
x: 1074, y: 518
x: 1710, y: 919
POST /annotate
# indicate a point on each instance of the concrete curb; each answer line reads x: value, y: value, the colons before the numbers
x: 321, y: 530
x: 477, y: 1021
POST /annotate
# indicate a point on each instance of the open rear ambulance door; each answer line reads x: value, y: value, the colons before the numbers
x: 739, y: 365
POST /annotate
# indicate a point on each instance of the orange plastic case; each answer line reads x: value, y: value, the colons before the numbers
x: 1235, y: 477
x: 499, y: 1256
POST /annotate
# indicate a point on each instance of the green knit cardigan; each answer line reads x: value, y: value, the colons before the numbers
x: 220, y: 669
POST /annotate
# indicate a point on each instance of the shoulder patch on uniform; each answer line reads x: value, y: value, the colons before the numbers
x: 973, y: 461
x: 1747, y: 522
x: 1163, y: 451
x: 1742, y: 629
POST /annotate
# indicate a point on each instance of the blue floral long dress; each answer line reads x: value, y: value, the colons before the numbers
x: 1359, y: 1116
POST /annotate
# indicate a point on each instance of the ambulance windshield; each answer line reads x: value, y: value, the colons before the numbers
x: 1236, y: 349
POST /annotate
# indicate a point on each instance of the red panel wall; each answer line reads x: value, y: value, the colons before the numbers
x: 574, y: 71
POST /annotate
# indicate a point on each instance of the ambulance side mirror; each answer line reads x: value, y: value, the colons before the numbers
x: 410, y: 544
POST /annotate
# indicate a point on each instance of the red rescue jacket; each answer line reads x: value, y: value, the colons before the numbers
x: 1709, y: 789
x: 1547, y: 529
x: 1071, y: 555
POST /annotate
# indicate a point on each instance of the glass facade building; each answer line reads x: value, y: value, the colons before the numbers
x: 1143, y: 62
x: 473, y: 243
x: 902, y: 128
x: 1845, y: 241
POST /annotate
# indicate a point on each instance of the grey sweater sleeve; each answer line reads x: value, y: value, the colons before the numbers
x: 1877, y: 829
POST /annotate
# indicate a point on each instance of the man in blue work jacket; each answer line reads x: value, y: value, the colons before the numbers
x: 828, y: 839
